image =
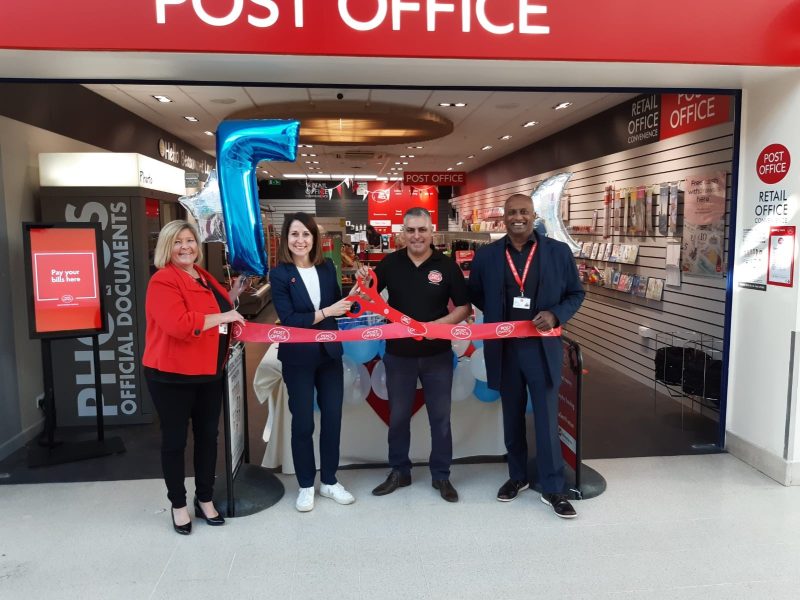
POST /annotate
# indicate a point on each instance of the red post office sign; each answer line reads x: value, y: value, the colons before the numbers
x: 64, y: 279
x: 435, y: 178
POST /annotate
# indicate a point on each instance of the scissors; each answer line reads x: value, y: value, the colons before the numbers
x: 376, y: 304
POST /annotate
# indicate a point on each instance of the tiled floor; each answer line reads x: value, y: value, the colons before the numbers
x: 692, y: 527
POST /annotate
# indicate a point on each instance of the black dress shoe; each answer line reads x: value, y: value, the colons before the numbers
x: 511, y: 489
x: 182, y: 529
x: 393, y: 481
x: 560, y: 505
x: 446, y: 489
x: 200, y: 514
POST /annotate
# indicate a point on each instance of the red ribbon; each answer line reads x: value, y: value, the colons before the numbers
x: 256, y: 332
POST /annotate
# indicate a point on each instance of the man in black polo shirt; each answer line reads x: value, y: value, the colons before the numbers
x: 421, y: 281
x: 525, y: 276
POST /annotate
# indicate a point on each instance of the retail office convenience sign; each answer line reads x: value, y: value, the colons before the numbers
x: 64, y: 280
x: 568, y: 30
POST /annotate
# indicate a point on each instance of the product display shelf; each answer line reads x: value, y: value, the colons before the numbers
x: 688, y: 366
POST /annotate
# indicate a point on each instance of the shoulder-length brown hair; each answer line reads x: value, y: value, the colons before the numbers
x: 284, y: 254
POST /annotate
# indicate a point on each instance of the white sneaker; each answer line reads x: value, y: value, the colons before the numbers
x: 305, y: 499
x: 337, y: 493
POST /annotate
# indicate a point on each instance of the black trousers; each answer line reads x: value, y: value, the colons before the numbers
x: 436, y: 374
x: 524, y: 372
x: 326, y: 377
x: 176, y: 404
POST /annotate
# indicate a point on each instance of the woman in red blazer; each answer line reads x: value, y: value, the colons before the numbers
x: 188, y: 315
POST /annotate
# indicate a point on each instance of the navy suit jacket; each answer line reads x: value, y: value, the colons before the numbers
x: 560, y: 291
x: 295, y: 309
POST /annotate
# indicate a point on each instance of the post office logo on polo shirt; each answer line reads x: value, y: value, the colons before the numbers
x: 325, y: 336
x: 435, y: 277
x: 461, y: 332
x: 279, y: 334
x: 373, y: 333
x: 504, y: 329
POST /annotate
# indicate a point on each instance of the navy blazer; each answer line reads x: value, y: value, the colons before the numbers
x: 560, y: 291
x: 295, y: 309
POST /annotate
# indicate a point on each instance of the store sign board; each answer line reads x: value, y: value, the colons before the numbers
x: 435, y: 178
x: 578, y: 30
x: 388, y: 201
x: 682, y: 113
x: 64, y: 282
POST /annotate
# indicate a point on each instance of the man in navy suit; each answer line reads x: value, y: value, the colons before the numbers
x: 527, y: 276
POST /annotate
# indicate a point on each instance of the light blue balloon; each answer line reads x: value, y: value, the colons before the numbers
x: 361, y: 352
x: 241, y: 145
x: 484, y: 393
x: 381, y: 348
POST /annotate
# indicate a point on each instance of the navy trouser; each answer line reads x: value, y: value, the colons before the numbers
x: 524, y: 370
x: 176, y: 404
x: 326, y: 376
x: 436, y: 374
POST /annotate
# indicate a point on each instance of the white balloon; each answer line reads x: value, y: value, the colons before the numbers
x: 378, y: 380
x: 477, y: 365
x: 350, y: 372
x: 460, y: 346
x: 463, y: 381
x: 360, y: 388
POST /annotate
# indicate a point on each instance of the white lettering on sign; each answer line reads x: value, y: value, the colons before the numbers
x: 691, y: 109
x: 266, y: 13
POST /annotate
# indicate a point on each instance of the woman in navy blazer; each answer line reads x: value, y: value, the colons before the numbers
x: 306, y: 293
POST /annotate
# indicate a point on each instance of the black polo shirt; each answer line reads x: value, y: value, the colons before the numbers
x: 519, y: 257
x: 421, y: 292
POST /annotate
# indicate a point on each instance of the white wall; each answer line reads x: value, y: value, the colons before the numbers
x: 758, y: 382
x: 20, y: 145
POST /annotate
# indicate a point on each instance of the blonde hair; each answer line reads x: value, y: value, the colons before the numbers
x: 166, y: 239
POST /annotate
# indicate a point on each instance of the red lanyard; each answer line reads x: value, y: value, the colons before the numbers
x: 521, y: 282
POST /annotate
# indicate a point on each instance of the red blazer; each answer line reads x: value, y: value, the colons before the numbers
x: 175, y: 309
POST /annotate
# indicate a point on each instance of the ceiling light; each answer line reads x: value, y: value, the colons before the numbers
x: 395, y: 179
x: 504, y: 137
x: 192, y: 119
x: 562, y: 105
x: 304, y: 146
x: 405, y: 162
x: 397, y: 163
x: 414, y: 147
x: 304, y: 154
x: 452, y: 104
x: 308, y: 162
x: 164, y: 99
x: 459, y: 163
x: 316, y: 162
x: 312, y: 154
x: 403, y: 156
x: 411, y: 156
x: 209, y: 133
x: 486, y: 148
x: 460, y: 104
x: 449, y: 168
x: 471, y: 156
x: 295, y: 175
x: 319, y: 176
x: 530, y: 123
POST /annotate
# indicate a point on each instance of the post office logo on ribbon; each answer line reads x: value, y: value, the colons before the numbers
x: 372, y: 333
x: 236, y: 330
x: 279, y: 334
x: 416, y: 332
x: 325, y: 336
x: 504, y: 329
x: 461, y: 332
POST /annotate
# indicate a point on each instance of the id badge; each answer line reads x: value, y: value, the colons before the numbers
x: 522, y: 302
x: 223, y: 328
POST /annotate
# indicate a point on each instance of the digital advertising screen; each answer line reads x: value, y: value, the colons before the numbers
x: 65, y: 288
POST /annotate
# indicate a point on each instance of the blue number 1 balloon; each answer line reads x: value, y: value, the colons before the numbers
x: 241, y: 145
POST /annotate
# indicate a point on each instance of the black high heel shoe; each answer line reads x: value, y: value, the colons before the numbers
x: 200, y: 514
x: 182, y: 529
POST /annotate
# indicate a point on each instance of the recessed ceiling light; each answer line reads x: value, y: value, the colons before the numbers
x: 471, y: 156
x: 530, y: 123
x: 459, y: 163
x: 452, y: 104
x: 316, y: 162
x: 460, y: 104
x: 209, y: 133
x: 449, y: 168
x: 405, y: 162
x: 504, y: 137
x: 308, y: 162
x: 411, y: 156
x: 304, y: 154
x: 304, y: 146
x: 403, y: 156
x: 295, y: 175
x: 562, y: 105
x: 312, y: 154
x: 486, y: 148
x: 192, y: 119
x: 397, y: 163
x: 163, y: 99
x: 414, y: 147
